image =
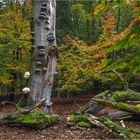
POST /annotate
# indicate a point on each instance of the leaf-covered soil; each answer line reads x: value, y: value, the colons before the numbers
x: 58, y: 131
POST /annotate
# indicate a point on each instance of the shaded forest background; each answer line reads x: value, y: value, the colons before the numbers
x: 93, y: 37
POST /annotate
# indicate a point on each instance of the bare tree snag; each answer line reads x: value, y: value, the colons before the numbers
x: 44, y: 51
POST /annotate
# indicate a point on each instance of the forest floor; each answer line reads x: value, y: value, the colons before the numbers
x: 58, y: 131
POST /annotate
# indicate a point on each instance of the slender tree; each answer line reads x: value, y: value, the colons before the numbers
x: 44, y: 51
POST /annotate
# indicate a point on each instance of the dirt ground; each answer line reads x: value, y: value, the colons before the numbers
x: 58, y: 131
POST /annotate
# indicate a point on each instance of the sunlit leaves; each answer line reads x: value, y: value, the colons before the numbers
x: 14, y: 41
x: 74, y: 67
x: 98, y: 9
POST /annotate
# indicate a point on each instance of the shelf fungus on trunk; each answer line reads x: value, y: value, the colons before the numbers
x: 44, y: 54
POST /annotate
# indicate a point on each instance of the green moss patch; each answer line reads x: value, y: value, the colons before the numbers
x: 126, y: 95
x: 79, y: 120
x: 137, y: 107
x: 85, y: 124
x: 36, y: 119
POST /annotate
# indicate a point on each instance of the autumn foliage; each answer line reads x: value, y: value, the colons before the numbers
x: 93, y: 38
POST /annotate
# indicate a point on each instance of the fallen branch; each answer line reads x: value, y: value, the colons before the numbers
x: 109, y: 125
x: 94, y: 107
x: 22, y: 111
x: 95, y: 121
x: 133, y: 102
x: 90, y: 121
x: 119, y: 115
x: 11, y: 103
x: 121, y: 106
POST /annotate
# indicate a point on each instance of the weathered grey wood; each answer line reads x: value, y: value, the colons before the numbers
x: 93, y: 107
x: 52, y: 59
x: 119, y: 115
x: 44, y: 51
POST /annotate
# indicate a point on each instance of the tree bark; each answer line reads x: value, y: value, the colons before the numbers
x: 44, y: 51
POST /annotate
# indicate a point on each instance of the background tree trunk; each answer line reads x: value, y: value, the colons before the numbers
x: 44, y: 51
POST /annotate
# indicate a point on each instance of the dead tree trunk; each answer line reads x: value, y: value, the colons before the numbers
x: 44, y: 51
x: 114, y: 99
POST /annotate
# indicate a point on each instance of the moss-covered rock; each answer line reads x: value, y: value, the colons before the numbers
x: 36, y: 119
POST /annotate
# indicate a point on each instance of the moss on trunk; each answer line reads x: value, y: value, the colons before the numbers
x: 135, y: 109
x: 121, y: 131
x: 113, y: 99
x: 36, y: 119
x: 119, y: 95
x: 126, y: 95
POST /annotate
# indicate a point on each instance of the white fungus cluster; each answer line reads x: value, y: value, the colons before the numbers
x: 27, y: 75
x: 26, y: 90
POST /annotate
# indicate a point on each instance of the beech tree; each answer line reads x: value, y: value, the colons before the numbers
x: 44, y: 51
